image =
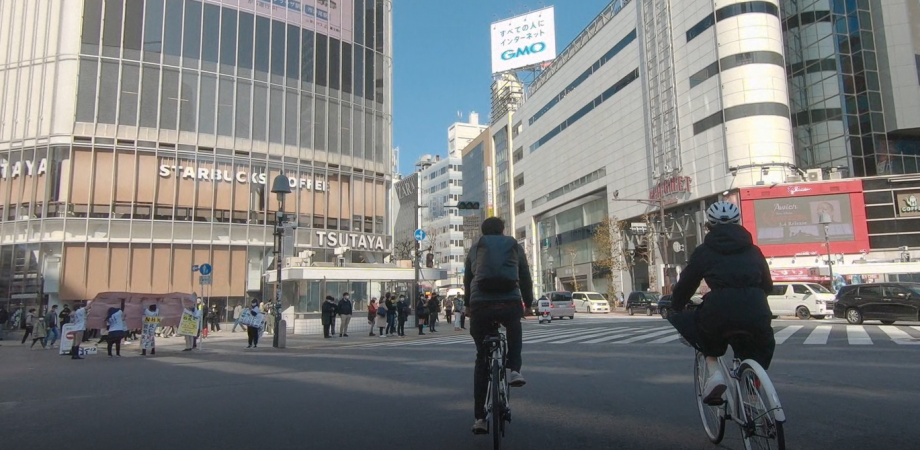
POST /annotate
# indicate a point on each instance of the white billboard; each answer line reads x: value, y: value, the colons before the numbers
x: 523, y: 40
x: 333, y: 18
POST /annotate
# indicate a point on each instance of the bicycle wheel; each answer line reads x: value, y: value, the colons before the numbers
x: 712, y: 416
x: 761, y: 430
x: 496, y: 416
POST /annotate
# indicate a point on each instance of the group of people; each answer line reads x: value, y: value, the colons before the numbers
x: 390, y: 314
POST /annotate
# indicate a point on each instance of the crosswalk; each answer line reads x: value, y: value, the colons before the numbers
x: 856, y: 335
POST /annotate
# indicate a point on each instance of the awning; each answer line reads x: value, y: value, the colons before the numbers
x: 368, y: 273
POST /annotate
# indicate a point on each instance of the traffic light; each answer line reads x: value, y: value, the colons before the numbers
x: 468, y: 205
x: 429, y: 260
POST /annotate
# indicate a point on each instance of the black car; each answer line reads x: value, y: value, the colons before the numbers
x: 642, y: 301
x: 664, y: 304
x: 887, y: 302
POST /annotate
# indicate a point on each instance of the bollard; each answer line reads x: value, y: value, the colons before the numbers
x: 282, y: 333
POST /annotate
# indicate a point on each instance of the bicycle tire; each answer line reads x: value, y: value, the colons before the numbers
x: 761, y: 430
x: 713, y: 417
x: 497, y: 413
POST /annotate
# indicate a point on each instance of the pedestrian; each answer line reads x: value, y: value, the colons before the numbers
x: 328, y: 315
x: 402, y: 312
x: 200, y: 312
x: 449, y: 310
x: 421, y: 312
x: 381, y: 319
x: 212, y: 319
x: 79, y: 328
x: 372, y: 314
x: 39, y: 331
x: 237, y: 313
x: 148, y: 333
x: 116, y: 325
x: 345, y: 309
x: 434, y: 307
x: 268, y: 326
x: 252, y: 331
x: 4, y: 317
x: 458, y: 312
x: 391, y: 315
x: 51, y: 322
x: 190, y: 340
x: 29, y: 316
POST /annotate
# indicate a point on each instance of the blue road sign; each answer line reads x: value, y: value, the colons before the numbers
x: 420, y: 235
x: 194, y: 267
x: 204, y: 269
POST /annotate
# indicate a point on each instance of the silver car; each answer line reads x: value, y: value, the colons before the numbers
x: 561, y: 304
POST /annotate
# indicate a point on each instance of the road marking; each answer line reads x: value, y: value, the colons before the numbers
x: 593, y: 334
x: 857, y: 335
x: 565, y: 334
x: 819, y: 335
x: 625, y: 333
x: 644, y: 336
x: 675, y: 337
x: 898, y: 335
x: 786, y: 333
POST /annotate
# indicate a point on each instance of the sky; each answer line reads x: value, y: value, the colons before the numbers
x: 441, y: 63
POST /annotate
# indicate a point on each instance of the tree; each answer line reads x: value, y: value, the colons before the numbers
x: 609, y: 257
x: 403, y: 249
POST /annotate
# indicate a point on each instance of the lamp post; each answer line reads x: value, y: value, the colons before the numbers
x: 825, y: 219
x: 281, y: 187
x: 662, y: 234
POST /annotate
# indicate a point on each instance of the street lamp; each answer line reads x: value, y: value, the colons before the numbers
x: 825, y: 219
x: 280, y: 186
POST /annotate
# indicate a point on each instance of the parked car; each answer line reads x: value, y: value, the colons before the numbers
x: 561, y: 304
x: 887, y: 302
x: 642, y: 301
x: 804, y: 300
x: 664, y: 304
x: 590, y: 302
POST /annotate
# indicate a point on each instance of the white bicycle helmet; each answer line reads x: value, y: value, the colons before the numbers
x: 722, y: 213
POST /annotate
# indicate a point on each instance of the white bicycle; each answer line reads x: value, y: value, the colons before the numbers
x: 750, y: 401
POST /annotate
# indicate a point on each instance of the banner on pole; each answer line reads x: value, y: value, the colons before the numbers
x: 188, y: 325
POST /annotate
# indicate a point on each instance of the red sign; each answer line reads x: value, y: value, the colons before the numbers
x: 670, y: 186
x: 789, y: 220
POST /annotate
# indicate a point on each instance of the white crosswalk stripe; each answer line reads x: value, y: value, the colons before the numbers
x: 857, y: 335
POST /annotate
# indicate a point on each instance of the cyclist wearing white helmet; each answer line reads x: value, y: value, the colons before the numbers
x: 738, y: 274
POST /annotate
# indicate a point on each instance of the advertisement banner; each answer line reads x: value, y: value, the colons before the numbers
x: 188, y: 325
x: 148, y: 332
x: 524, y: 40
x: 334, y: 18
x: 797, y: 219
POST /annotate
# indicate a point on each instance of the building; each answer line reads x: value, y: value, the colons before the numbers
x: 441, y: 187
x: 478, y: 185
x: 660, y: 108
x: 461, y: 133
x: 137, y: 139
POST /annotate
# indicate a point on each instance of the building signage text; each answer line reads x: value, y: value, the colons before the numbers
x: 202, y: 173
x: 14, y: 170
x: 332, y: 239
x: 670, y: 186
x: 909, y: 204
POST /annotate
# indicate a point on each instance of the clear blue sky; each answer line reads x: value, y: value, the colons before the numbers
x: 441, y: 63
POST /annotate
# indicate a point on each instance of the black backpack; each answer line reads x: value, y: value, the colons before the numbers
x: 495, y: 271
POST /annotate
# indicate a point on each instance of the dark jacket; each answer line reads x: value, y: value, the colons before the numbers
x: 391, y: 307
x: 402, y: 310
x: 345, y: 307
x: 421, y: 309
x: 328, y: 312
x: 434, y: 305
x: 500, y: 244
x: 736, y: 271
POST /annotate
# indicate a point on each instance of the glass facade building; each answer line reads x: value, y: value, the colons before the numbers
x: 139, y: 138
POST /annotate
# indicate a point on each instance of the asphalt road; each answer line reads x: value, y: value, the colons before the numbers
x: 343, y: 394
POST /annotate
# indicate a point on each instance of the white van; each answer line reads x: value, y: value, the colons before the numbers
x: 590, y: 302
x: 803, y: 300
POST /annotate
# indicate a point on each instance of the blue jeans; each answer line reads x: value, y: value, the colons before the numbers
x: 52, y: 337
x: 391, y: 324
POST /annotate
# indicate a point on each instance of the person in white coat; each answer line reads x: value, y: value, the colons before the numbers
x: 117, y: 329
x: 251, y: 331
x: 149, y: 332
x: 79, y: 322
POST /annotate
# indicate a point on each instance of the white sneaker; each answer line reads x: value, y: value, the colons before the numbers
x: 382, y: 336
x: 714, y: 388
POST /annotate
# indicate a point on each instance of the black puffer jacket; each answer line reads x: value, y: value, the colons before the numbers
x: 736, y: 271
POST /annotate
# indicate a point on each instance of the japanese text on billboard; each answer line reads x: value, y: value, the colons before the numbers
x: 523, y: 40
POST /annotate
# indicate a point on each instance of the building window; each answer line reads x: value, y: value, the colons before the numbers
x: 519, y: 207
x: 519, y: 181
x: 731, y: 11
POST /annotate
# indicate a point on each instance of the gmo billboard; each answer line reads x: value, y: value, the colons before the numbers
x: 523, y: 40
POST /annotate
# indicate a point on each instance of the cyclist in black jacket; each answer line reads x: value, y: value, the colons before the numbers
x: 738, y: 274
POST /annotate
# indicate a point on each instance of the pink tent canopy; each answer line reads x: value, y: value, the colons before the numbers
x: 169, y: 305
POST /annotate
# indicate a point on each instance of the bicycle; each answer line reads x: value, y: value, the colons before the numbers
x: 498, y: 404
x: 750, y: 401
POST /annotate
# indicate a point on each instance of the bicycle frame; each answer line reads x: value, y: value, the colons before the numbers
x: 733, y: 410
x: 498, y: 352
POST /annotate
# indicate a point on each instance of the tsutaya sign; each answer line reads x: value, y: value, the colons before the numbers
x: 670, y: 186
x: 14, y: 170
x: 332, y: 239
x: 242, y: 176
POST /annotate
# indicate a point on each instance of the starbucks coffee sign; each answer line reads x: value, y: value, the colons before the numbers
x: 908, y: 204
x: 333, y: 239
x: 241, y: 176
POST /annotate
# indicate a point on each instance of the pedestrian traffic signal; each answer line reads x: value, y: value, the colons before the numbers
x: 468, y: 205
x: 429, y: 260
